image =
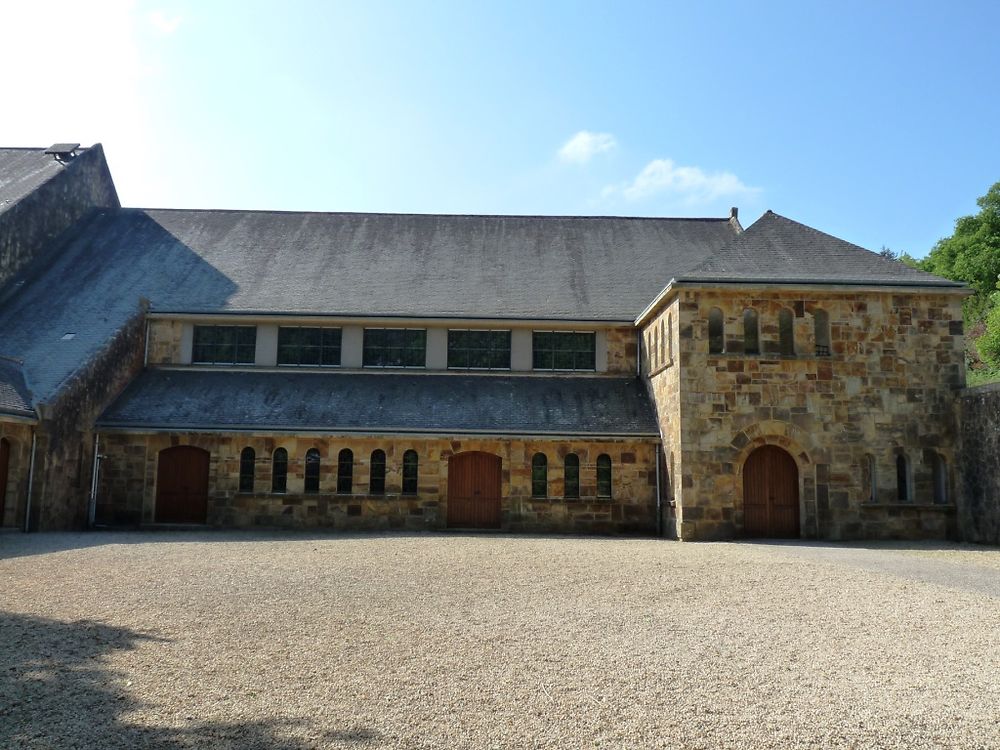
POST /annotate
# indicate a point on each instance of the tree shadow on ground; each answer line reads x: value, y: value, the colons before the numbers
x: 57, y: 691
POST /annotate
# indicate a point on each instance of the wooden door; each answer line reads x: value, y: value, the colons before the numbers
x: 182, y: 485
x: 4, y: 464
x: 474, y: 486
x: 770, y: 494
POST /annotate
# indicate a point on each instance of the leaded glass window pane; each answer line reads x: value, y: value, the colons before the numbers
x: 247, y: 465
x: 539, y: 475
x: 395, y: 347
x: 279, y: 470
x: 564, y: 350
x: 312, y: 470
x: 571, y: 482
x: 308, y: 346
x: 410, y: 463
x: 345, y: 471
x: 224, y: 345
x: 479, y: 350
x: 604, y: 475
x: 376, y: 479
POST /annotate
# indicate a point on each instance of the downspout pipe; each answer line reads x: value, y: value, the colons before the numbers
x: 94, y: 474
x: 659, y: 496
x: 31, y: 482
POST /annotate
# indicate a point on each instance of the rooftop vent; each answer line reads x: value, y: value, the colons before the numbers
x: 63, y: 151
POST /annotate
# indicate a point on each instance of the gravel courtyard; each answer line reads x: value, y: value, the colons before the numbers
x: 251, y: 640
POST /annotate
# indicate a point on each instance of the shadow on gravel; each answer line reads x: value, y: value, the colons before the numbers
x: 56, y: 691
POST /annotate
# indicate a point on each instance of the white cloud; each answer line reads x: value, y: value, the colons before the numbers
x: 691, y: 184
x: 585, y: 145
x: 163, y: 23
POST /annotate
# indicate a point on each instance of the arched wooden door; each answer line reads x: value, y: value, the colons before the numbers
x: 770, y: 494
x: 4, y: 475
x: 182, y: 485
x: 474, y: 487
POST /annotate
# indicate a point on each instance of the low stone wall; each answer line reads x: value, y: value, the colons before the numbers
x: 127, y: 492
x: 979, y: 509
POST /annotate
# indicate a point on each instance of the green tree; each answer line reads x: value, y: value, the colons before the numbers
x: 972, y: 254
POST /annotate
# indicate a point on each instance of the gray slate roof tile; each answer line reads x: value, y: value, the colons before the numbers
x: 775, y: 249
x: 15, y: 398
x: 197, y: 399
x: 21, y: 171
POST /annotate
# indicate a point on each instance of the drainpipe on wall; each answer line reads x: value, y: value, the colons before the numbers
x: 31, y: 482
x: 659, y: 496
x: 92, y: 507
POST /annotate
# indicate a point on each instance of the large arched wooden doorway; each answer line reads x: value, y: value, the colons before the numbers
x: 182, y: 485
x: 474, y: 488
x: 770, y: 494
x: 4, y: 476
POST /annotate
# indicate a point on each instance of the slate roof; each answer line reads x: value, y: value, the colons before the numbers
x: 22, y: 170
x: 196, y: 399
x: 775, y: 249
x: 15, y: 398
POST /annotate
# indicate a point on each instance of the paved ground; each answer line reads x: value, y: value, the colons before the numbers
x: 233, y: 640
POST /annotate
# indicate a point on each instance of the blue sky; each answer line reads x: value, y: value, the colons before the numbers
x: 875, y: 121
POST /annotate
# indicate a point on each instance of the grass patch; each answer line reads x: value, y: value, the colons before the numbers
x: 981, y: 377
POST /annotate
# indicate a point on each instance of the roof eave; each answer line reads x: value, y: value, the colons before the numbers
x: 335, y: 431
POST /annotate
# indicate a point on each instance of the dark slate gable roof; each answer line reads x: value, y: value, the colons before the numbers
x: 382, y: 403
x: 15, y: 398
x: 573, y: 268
x: 775, y: 249
x: 21, y: 171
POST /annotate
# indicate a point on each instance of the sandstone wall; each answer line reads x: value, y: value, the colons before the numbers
x: 65, y: 449
x: 128, y: 483
x: 979, y: 508
x: 887, y: 387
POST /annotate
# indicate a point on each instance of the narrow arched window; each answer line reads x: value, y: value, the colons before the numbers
x: 663, y: 346
x: 279, y: 470
x: 604, y: 475
x: 786, y: 332
x: 716, y: 331
x: 247, y: 464
x: 670, y: 338
x: 821, y: 320
x: 345, y: 471
x: 870, y: 479
x: 410, y: 462
x: 751, y: 332
x: 939, y: 470
x: 376, y: 475
x: 654, y: 352
x: 312, y: 470
x: 539, y: 475
x: 902, y: 479
x: 571, y: 476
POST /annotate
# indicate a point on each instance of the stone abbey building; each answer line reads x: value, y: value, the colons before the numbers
x: 683, y: 377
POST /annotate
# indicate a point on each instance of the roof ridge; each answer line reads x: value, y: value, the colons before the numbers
x: 595, y: 217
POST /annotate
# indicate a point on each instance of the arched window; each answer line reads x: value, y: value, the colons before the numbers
x: 870, y: 478
x: 247, y: 463
x: 751, y: 332
x: 716, y: 331
x: 279, y: 470
x: 902, y: 479
x: 663, y: 346
x: 376, y: 475
x: 786, y: 332
x: 345, y: 471
x: 312, y: 470
x: 939, y: 470
x: 670, y: 338
x: 539, y: 475
x: 822, y: 322
x: 604, y: 475
x: 654, y: 352
x: 571, y: 476
x: 410, y: 462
